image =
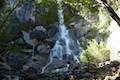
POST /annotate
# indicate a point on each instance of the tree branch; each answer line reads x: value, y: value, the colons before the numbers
x: 110, y: 10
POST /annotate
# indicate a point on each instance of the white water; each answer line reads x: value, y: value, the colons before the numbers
x: 65, y: 47
x: 23, y: 12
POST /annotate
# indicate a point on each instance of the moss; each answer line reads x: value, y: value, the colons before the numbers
x: 47, y: 12
x: 67, y: 16
x: 9, y: 47
x: 5, y: 37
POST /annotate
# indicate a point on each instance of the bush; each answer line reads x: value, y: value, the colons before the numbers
x: 95, y: 52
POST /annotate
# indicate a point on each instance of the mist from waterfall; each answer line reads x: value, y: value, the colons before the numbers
x: 65, y: 48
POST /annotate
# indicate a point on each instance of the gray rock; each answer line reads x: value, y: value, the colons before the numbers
x: 87, y: 75
x: 40, y: 28
x: 16, y: 61
x: 4, y: 66
x: 52, y: 31
x: 57, y: 66
x: 35, y: 62
x: 26, y: 37
x: 43, y: 48
x: 39, y: 33
x: 19, y: 41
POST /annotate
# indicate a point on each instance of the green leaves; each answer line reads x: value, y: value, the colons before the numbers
x: 95, y: 52
x: 83, y: 6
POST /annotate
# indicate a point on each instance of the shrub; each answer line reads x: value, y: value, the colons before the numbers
x: 95, y: 52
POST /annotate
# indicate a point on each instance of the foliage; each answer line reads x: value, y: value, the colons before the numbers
x: 86, y: 8
x: 99, y: 29
x: 104, y: 20
x: 10, y: 47
x: 95, y: 52
x: 115, y: 4
x: 47, y: 12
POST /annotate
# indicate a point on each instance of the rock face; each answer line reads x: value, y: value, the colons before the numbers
x: 113, y: 41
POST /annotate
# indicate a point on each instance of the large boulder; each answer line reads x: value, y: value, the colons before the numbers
x: 39, y: 33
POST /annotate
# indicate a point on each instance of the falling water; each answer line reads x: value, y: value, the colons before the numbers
x: 65, y: 47
x: 23, y: 12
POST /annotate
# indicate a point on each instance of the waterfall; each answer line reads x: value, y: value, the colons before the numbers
x: 65, y: 47
x: 23, y: 12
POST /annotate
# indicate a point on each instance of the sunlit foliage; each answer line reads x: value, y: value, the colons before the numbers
x: 95, y: 52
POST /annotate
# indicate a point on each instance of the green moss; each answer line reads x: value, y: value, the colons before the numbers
x: 67, y: 16
x: 48, y: 12
x: 9, y: 47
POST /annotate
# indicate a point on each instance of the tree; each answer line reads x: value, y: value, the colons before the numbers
x: 110, y: 10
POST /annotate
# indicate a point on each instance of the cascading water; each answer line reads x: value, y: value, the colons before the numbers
x: 22, y: 13
x: 65, y: 47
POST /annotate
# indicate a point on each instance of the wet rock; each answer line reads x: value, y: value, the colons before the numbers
x: 75, y: 33
x: 35, y: 63
x: 39, y: 33
x: 19, y: 41
x: 79, y: 28
x: 9, y: 77
x: 27, y: 39
x: 115, y: 64
x: 29, y: 74
x: 4, y: 70
x: 52, y: 30
x: 43, y: 48
x: 16, y: 61
x: 57, y: 66
x: 87, y: 75
x: 27, y: 50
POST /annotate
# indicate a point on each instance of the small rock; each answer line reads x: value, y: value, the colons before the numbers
x: 43, y: 48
